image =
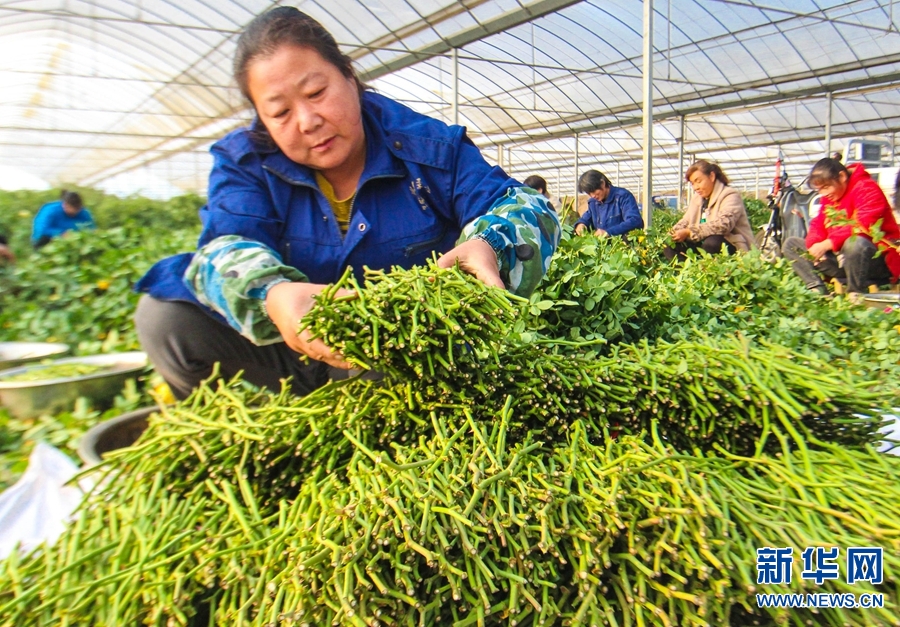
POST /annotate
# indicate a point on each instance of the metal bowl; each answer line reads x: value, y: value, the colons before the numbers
x: 29, y: 399
x: 14, y: 354
x: 112, y: 434
x: 880, y: 300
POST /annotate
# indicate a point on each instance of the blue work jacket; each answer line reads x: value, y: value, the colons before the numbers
x: 617, y: 215
x: 422, y: 182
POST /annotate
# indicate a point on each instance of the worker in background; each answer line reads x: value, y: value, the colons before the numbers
x: 716, y: 219
x: 55, y: 218
x: 852, y: 209
x: 538, y: 184
x: 611, y: 210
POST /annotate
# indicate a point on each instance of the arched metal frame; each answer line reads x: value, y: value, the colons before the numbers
x: 103, y: 92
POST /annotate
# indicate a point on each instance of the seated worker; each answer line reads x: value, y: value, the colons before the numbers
x: 716, y: 218
x: 55, y: 218
x: 611, y: 210
x: 853, y: 192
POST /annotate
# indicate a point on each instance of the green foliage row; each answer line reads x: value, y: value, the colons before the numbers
x: 617, y: 292
x: 79, y: 290
x: 18, y: 208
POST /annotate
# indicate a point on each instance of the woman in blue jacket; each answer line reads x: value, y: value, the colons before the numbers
x: 329, y: 175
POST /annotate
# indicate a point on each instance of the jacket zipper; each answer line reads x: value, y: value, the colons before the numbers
x: 414, y: 248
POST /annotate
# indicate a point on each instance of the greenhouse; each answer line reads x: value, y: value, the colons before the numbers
x: 130, y: 96
x: 423, y: 313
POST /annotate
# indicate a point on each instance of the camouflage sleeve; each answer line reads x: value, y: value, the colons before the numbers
x: 232, y: 275
x: 524, y: 231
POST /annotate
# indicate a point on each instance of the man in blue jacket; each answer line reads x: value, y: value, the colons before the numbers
x: 55, y: 218
x: 611, y: 210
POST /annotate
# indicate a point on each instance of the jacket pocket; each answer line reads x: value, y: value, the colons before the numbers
x: 417, y: 247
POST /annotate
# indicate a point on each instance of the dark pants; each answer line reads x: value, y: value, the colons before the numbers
x: 861, y: 267
x: 714, y: 244
x: 183, y: 343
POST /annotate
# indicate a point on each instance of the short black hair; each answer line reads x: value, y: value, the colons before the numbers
x: 73, y: 199
x: 591, y: 181
x: 536, y: 182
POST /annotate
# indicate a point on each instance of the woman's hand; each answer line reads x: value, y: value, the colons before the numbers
x: 681, y: 234
x: 476, y: 257
x: 819, y: 249
x: 287, y: 304
x: 579, y: 229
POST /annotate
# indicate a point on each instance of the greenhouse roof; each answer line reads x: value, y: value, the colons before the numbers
x: 129, y: 95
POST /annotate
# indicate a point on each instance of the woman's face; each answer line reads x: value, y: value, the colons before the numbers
x: 309, y: 107
x: 703, y: 184
x: 834, y: 189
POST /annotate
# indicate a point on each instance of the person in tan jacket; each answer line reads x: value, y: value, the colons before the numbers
x: 716, y: 219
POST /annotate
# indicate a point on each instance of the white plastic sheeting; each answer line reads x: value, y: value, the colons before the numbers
x: 38, y: 506
x: 107, y: 90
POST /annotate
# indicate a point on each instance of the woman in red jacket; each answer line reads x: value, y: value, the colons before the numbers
x: 855, y: 197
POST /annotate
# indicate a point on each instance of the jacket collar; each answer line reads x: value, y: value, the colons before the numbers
x: 380, y: 161
x: 611, y: 196
x: 857, y: 173
x: 717, y: 191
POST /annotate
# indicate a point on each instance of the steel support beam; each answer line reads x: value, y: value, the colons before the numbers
x: 829, y: 101
x: 647, y: 85
x: 454, y: 87
x: 396, y: 37
x: 577, y: 151
x: 522, y: 14
x: 681, y: 164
